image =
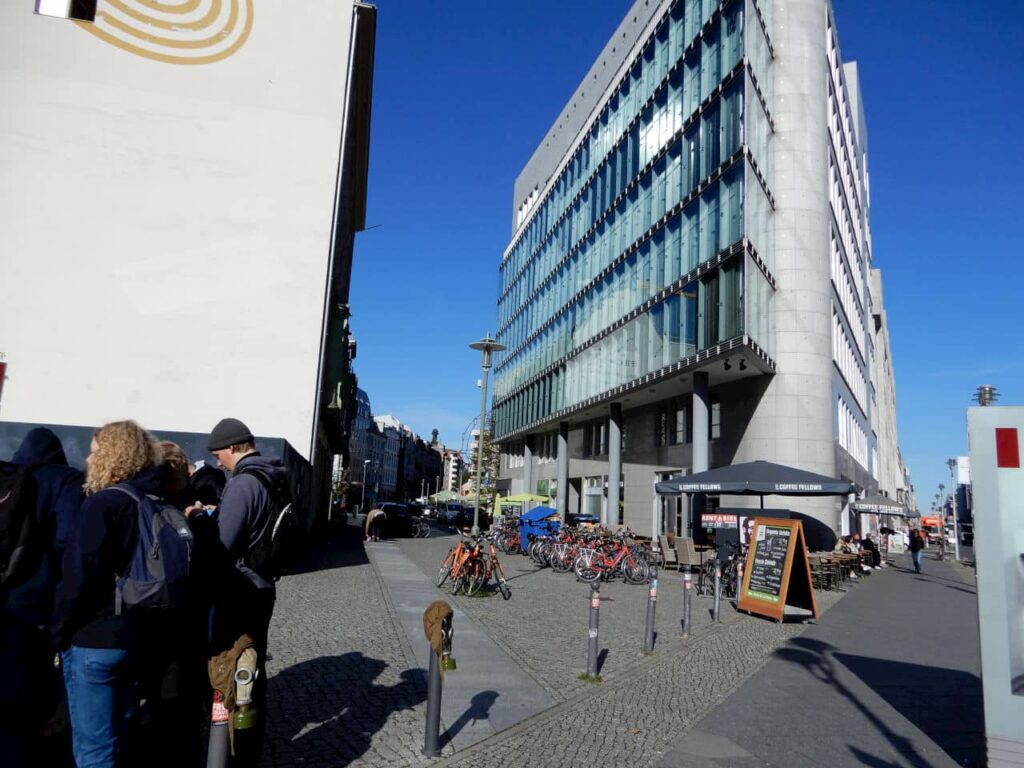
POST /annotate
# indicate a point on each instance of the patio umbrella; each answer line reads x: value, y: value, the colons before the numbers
x: 758, y: 478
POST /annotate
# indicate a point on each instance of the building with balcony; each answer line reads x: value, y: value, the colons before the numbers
x: 689, y: 279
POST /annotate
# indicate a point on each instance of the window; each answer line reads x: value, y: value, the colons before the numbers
x: 715, y: 422
x: 595, y: 439
x: 80, y: 10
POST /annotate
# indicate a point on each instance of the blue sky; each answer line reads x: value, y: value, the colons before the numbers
x: 464, y: 91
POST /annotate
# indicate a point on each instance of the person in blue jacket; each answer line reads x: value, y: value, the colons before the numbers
x: 99, y: 646
x: 30, y: 692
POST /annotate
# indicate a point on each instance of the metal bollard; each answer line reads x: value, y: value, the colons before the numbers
x: 219, y: 746
x: 595, y: 609
x: 718, y: 593
x: 687, y: 602
x: 440, y: 658
x: 739, y: 579
x: 652, y: 601
x: 432, y: 739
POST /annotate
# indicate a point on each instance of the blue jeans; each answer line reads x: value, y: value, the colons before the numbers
x: 101, y: 691
x: 918, y: 557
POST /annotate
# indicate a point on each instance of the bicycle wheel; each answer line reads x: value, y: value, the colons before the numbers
x: 635, y: 570
x: 476, y: 577
x: 424, y: 529
x: 445, y: 570
x: 586, y: 571
x: 459, y: 582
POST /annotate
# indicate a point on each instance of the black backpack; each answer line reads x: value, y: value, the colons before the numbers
x: 19, y: 554
x: 279, y: 551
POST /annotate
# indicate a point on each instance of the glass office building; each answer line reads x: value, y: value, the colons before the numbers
x: 655, y: 230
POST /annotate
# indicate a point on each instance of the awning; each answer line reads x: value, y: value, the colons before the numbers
x: 538, y: 513
x: 758, y: 478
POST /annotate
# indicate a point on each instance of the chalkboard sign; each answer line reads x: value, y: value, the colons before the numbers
x: 777, y: 573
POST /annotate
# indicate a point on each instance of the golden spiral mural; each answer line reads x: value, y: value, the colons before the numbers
x: 174, y: 31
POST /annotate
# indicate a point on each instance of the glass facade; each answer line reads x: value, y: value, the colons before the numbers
x: 634, y: 257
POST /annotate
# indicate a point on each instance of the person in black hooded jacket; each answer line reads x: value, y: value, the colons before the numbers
x: 99, y: 646
x: 30, y: 691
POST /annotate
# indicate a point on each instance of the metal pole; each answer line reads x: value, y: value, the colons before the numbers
x: 480, y: 446
x: 652, y: 601
x: 687, y: 602
x: 595, y: 608
x: 716, y: 610
x: 218, y: 747
x: 432, y: 738
x: 362, y: 501
x: 956, y: 523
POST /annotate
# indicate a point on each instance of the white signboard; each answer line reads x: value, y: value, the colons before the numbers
x: 995, y: 436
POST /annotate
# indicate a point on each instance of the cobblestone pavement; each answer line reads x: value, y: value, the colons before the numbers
x: 544, y: 626
x: 344, y: 688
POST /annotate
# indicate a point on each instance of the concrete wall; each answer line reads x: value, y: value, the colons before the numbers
x: 167, y: 224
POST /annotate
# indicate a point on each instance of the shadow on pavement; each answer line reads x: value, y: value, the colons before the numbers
x: 816, y: 657
x: 326, y: 711
x: 479, y: 709
x: 337, y: 548
x: 946, y: 704
x: 866, y: 758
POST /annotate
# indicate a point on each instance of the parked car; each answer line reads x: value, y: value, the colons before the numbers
x: 397, y: 520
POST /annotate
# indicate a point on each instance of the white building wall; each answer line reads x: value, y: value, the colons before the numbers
x: 167, y: 226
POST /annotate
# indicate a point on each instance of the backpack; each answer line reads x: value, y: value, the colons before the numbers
x: 158, y: 571
x: 17, y: 525
x: 280, y: 549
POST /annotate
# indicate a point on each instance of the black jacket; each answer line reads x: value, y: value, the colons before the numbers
x: 916, y: 545
x: 57, y: 490
x: 101, y: 550
x: 244, y: 516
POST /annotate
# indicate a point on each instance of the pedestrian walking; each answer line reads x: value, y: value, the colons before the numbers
x: 97, y: 640
x: 244, y: 602
x: 917, y: 548
x: 31, y: 696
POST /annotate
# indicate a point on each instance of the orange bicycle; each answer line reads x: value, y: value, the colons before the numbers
x: 489, y: 566
x: 455, y: 555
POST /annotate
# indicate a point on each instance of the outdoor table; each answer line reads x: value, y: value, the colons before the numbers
x: 700, y: 549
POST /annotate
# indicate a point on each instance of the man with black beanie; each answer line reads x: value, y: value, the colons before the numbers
x: 245, y: 517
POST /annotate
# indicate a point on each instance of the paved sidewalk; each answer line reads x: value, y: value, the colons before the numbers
x: 489, y: 691
x: 890, y: 678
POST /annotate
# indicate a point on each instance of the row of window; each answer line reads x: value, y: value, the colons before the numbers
x: 709, y: 224
x: 844, y: 289
x: 700, y: 315
x: 852, y: 437
x: 848, y: 362
x: 705, y: 66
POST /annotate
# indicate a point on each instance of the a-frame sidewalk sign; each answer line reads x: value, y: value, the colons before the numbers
x: 777, y: 572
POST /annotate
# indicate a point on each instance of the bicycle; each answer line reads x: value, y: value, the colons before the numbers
x: 729, y: 574
x: 491, y: 566
x: 594, y: 564
x: 455, y: 554
x: 940, y: 553
x: 419, y: 528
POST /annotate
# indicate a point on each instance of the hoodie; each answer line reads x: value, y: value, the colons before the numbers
x: 245, y: 514
x: 58, y: 498
x: 101, y: 549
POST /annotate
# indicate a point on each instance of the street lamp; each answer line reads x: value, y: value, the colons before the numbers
x: 486, y: 345
x: 951, y: 463
x: 362, y: 501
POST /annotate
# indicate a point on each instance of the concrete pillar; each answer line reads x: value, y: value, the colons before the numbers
x: 701, y: 415
x: 562, y: 502
x: 528, y: 484
x: 611, y: 510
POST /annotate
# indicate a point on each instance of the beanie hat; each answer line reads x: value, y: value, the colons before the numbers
x: 228, y: 432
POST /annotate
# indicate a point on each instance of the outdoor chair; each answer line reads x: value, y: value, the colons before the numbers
x: 688, y: 557
x: 669, y: 558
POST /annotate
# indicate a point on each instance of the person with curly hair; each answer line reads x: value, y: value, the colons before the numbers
x: 98, y: 643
